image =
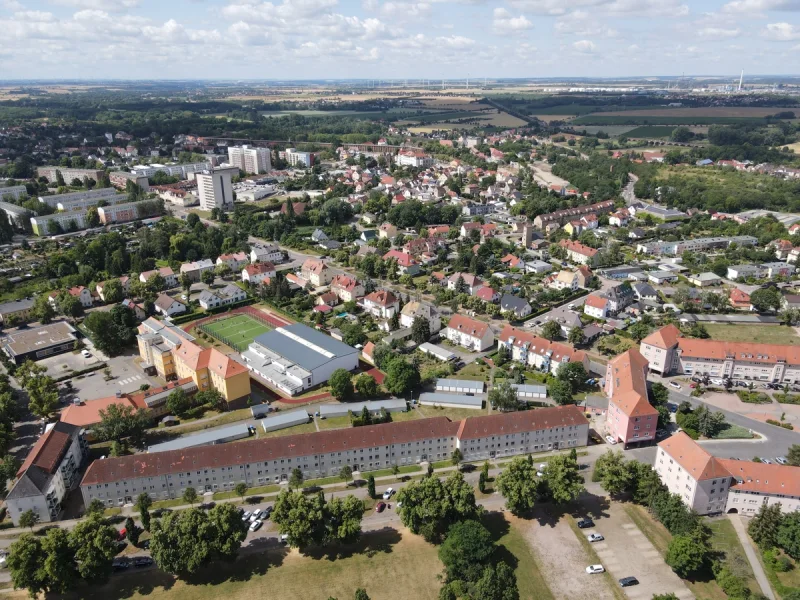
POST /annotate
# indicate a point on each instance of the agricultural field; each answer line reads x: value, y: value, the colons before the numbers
x: 650, y: 131
x: 237, y: 331
x: 794, y: 147
x: 710, y: 111
x: 611, y: 130
x: 625, y: 118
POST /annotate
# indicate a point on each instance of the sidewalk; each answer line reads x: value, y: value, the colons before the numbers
x: 758, y: 570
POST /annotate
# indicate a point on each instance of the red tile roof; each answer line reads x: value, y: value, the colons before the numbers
x: 694, y: 459
x: 516, y: 422
x: 577, y: 247
x: 49, y: 449
x: 628, y: 374
x: 537, y: 345
x: 664, y: 338
x: 595, y: 301
x: 404, y: 259
x: 382, y: 298
x: 468, y: 326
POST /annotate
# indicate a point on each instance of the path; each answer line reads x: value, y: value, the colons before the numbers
x: 755, y: 564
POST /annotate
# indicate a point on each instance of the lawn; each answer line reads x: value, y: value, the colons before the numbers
x: 237, y: 331
x: 304, y: 428
x: 724, y: 539
x: 783, y: 583
x: 474, y: 371
x: 734, y: 432
x: 454, y: 414
x: 760, y: 334
x: 334, y: 423
x: 390, y: 565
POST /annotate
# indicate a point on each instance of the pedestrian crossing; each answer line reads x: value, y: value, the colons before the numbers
x: 129, y: 379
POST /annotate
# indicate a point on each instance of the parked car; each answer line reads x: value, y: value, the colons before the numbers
x: 380, y: 507
x: 85, y: 353
x: 781, y: 460
x: 611, y: 440
x: 284, y: 538
x: 120, y: 564
x: 592, y: 569
x: 142, y: 561
x: 628, y: 581
x: 674, y: 384
x: 256, y: 525
x: 268, y: 511
x: 585, y: 522
x: 595, y: 537
x: 673, y: 408
x: 246, y: 516
x: 388, y: 493
x: 766, y: 461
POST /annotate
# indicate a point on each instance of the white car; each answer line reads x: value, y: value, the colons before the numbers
x: 781, y: 460
x: 86, y: 354
x: 592, y: 569
x: 766, y: 461
x: 542, y: 466
x: 595, y: 537
x: 284, y: 539
x: 675, y: 385
x: 388, y: 493
x: 255, y: 525
x: 611, y: 440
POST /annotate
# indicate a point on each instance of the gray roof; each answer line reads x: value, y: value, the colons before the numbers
x: 23, y: 341
x: 442, y: 398
x: 16, y: 305
x: 373, y: 406
x: 206, y: 438
x: 462, y: 383
x: 310, y: 355
x: 286, y: 419
x: 205, y: 296
x: 529, y: 388
x: 33, y: 482
x: 596, y: 402
x: 509, y: 302
x: 644, y: 289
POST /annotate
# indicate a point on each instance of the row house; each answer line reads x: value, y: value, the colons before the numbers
x: 259, y: 272
x: 474, y: 335
x: 531, y: 350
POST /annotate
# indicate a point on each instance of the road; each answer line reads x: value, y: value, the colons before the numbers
x: 627, y: 191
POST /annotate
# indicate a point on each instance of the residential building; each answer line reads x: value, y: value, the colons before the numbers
x: 406, y: 265
x: 565, y: 280
x: 18, y: 216
x: 39, y: 342
x: 763, y: 271
x: 138, y: 309
x: 170, y: 279
x: 469, y: 333
x: 51, y: 173
x: 271, y: 254
x: 534, y: 351
x: 168, y: 306
x: 57, y: 223
x: 382, y: 304
x: 119, y: 179
x: 413, y: 158
x: 677, y: 248
x: 296, y: 158
x: 235, y: 261
x: 49, y: 472
x: 630, y: 417
x: 250, y: 160
x: 316, y: 271
x: 83, y: 295
x: 704, y: 279
x: 675, y: 354
x: 418, y: 309
x: 388, y: 231
x: 619, y: 297
x: 519, y: 307
x: 129, y: 211
x: 488, y: 294
x: 346, y: 288
x: 194, y: 270
x: 72, y: 197
x: 596, y: 305
x: 296, y: 357
x: 257, y: 273
x: 215, y: 190
x: 472, y: 282
x: 579, y: 253
x: 125, y: 283
x: 740, y: 299
x: 324, y: 453
x: 560, y: 217
x: 710, y: 485
x: 230, y: 294
x: 12, y: 192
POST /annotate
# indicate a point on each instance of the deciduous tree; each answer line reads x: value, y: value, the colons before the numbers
x: 366, y: 386
x: 611, y: 471
x: 95, y: 545
x: 503, y: 397
x: 564, y: 482
x: 341, y: 382
x: 430, y: 505
x: 765, y: 525
x: 466, y: 550
x: 518, y: 485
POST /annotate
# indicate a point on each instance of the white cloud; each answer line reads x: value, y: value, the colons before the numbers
x: 504, y: 23
x: 584, y: 46
x: 760, y: 6
x: 649, y: 8
x: 782, y: 32
x: 579, y: 24
x: 109, y: 5
x: 719, y: 33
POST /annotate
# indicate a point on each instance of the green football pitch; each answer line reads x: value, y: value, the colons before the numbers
x: 237, y: 331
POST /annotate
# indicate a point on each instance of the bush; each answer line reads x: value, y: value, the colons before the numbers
x: 691, y: 433
x: 732, y: 585
x: 753, y: 397
x: 788, y: 426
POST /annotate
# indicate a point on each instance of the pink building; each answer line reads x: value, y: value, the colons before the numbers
x: 630, y: 417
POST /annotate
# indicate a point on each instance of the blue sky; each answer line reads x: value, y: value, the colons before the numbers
x: 312, y: 39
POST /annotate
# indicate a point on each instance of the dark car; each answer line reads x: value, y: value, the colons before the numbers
x: 584, y: 523
x: 628, y: 581
x: 120, y: 564
x: 380, y: 507
x: 142, y: 561
x: 268, y: 511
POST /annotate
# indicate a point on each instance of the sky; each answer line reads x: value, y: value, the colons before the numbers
x: 385, y: 39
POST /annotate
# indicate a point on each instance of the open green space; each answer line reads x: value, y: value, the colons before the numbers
x: 759, y: 334
x: 734, y: 432
x: 650, y: 131
x: 237, y: 331
x: 784, y: 583
x: 623, y: 119
x: 454, y: 414
x: 725, y: 540
x: 304, y: 428
x: 474, y: 371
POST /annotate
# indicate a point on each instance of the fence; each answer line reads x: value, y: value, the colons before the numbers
x: 239, y: 347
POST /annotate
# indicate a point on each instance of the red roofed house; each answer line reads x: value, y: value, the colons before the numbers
x: 169, y: 276
x: 596, y: 306
x: 469, y: 333
x: 82, y: 294
x: 258, y: 272
x: 488, y: 294
x: 235, y: 261
x: 298, y: 207
x: 511, y: 260
x: 473, y: 282
x: 346, y: 288
x: 579, y: 253
x: 316, y: 271
x: 406, y: 265
x: 740, y: 299
x: 381, y: 303
x: 327, y: 299
x: 542, y: 354
x: 630, y: 417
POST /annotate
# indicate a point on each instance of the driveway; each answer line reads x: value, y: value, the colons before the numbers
x: 627, y: 552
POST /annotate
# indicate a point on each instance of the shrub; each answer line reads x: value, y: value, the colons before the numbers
x: 691, y: 433
x: 732, y: 585
x: 753, y: 397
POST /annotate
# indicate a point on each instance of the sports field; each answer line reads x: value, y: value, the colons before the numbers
x: 237, y: 331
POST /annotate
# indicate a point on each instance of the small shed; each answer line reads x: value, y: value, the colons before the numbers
x: 459, y: 386
x: 286, y: 419
x: 260, y: 410
x: 442, y: 354
x: 451, y: 400
x: 529, y: 391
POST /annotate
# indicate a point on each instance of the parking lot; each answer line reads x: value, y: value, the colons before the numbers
x: 127, y: 376
x: 62, y: 364
x: 627, y: 552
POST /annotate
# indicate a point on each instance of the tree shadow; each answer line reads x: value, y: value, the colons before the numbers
x: 260, y: 558
x: 497, y: 524
x: 380, y: 541
x: 125, y: 585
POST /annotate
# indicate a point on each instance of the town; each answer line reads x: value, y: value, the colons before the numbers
x: 519, y: 359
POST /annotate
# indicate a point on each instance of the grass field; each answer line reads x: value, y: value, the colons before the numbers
x: 724, y: 539
x: 612, y: 130
x: 625, y: 118
x: 709, y: 111
x: 760, y: 334
x: 650, y: 132
x: 237, y: 331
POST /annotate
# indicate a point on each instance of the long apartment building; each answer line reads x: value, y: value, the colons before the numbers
x: 568, y: 214
x: 59, y: 222
x: 13, y: 192
x: 249, y: 159
x: 69, y: 198
x: 51, y: 173
x: 678, y: 247
x: 630, y: 417
x: 537, y: 352
x: 83, y: 203
x: 129, y: 211
x: 669, y: 353
x: 182, y: 171
x: 711, y: 485
x: 163, y: 475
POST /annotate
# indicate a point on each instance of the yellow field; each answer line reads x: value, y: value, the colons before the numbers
x: 794, y: 147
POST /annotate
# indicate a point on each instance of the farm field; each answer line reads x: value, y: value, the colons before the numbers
x: 626, y: 118
x: 710, y: 111
x: 237, y: 331
x: 795, y: 147
x: 760, y: 334
x: 650, y: 131
x: 611, y: 130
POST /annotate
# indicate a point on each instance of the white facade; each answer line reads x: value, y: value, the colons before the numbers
x: 214, y: 189
x: 297, y: 158
x: 250, y: 160
x: 271, y: 254
x: 470, y: 342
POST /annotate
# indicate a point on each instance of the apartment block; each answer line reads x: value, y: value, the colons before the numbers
x: 214, y: 189
x: 630, y: 418
x: 539, y: 353
x: 250, y: 160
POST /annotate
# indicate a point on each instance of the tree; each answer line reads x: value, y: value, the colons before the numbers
x: 361, y: 594
x: 28, y: 519
x: 466, y: 550
x: 222, y: 270
x: 789, y: 534
x: 561, y: 392
x: 576, y: 336
x: 551, y: 331
x: 766, y: 299
x: 42, y: 395
x: 793, y: 456
x: 612, y: 473
x: 295, y: 479
x: 420, y: 330
x: 212, y: 398
x: 765, y: 525
x: 687, y: 554
x: 395, y: 470
x: 119, y: 422
x: 190, y: 495
x: 498, y: 582
x: 68, y: 305
x: 95, y: 545
x: 27, y: 371
x: 659, y: 394
x: 371, y: 486
x: 562, y: 478
x: 96, y: 506
x: 43, y: 311
x: 241, y: 489
x: 26, y: 564
x: 639, y: 331
x: 366, y: 386
x: 299, y: 517
x: 132, y: 531
x: 574, y: 374
x: 401, y: 377
x: 143, y: 504
x: 113, y: 292
x: 207, y: 277
x: 343, y: 520
x: 518, y: 485
x: 430, y: 505
x: 503, y: 397
x: 109, y: 335
x: 341, y: 382
x: 346, y: 473
x: 92, y: 218
x: 456, y: 457
x: 178, y: 402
